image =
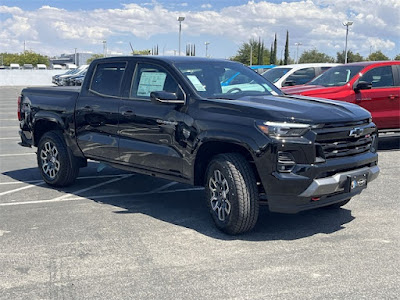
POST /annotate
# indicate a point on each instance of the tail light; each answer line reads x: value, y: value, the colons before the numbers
x: 19, y: 108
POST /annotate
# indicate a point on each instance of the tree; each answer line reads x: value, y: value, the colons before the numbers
x: 397, y: 57
x: 377, y: 55
x: 351, y: 57
x: 273, y: 60
x: 27, y: 57
x: 94, y: 56
x: 243, y: 54
x: 286, y: 59
x: 313, y: 56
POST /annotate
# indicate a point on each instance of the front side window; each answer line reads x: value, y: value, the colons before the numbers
x: 107, y: 78
x: 152, y: 78
x: 379, y: 77
x: 225, y: 80
x: 275, y: 74
x: 301, y: 76
x: 336, y: 76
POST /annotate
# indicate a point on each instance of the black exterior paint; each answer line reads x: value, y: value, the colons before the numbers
x: 165, y: 140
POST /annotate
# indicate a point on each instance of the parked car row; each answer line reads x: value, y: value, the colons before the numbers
x: 71, y: 77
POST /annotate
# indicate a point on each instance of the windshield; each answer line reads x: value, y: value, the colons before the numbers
x: 336, y: 76
x: 275, y: 74
x: 225, y: 80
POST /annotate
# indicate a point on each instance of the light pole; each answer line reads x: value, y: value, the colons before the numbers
x: 105, y: 48
x: 207, y: 43
x: 75, y: 57
x: 297, y: 53
x: 180, y: 19
x: 347, y: 24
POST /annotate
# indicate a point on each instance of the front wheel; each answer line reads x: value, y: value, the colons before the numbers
x: 57, y: 166
x: 231, y: 193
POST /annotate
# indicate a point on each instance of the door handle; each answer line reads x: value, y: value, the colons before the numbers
x: 392, y: 97
x: 87, y: 108
x: 128, y: 113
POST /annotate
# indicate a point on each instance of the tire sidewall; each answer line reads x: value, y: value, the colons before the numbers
x: 219, y: 164
x: 63, y: 158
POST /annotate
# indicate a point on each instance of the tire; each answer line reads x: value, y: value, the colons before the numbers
x: 232, y: 193
x: 57, y: 166
x: 338, y: 205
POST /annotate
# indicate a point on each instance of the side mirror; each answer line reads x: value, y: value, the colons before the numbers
x: 363, y: 85
x: 289, y: 83
x: 165, y: 97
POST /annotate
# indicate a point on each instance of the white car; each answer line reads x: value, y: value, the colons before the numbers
x: 41, y: 67
x: 290, y: 75
x: 57, y: 67
x: 15, y: 66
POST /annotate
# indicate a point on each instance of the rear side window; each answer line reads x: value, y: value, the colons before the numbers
x: 379, y: 77
x: 107, y: 78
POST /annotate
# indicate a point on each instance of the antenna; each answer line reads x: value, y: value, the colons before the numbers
x: 131, y: 47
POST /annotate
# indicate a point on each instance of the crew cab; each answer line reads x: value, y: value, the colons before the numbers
x: 374, y: 86
x: 171, y: 117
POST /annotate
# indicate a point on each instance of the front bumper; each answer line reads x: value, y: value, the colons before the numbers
x: 338, y: 182
x: 325, y: 191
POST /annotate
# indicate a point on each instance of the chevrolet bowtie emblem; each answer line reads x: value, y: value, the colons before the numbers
x: 356, y: 132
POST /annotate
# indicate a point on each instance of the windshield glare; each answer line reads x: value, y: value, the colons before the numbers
x: 336, y: 76
x: 275, y: 74
x: 225, y: 80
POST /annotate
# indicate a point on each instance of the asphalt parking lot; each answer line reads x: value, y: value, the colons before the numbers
x: 118, y: 235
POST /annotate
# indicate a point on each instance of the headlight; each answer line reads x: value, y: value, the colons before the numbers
x: 283, y: 129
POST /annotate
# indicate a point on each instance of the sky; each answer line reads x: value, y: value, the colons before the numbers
x: 55, y: 27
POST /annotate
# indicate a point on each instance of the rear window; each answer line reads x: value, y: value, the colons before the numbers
x: 107, y: 78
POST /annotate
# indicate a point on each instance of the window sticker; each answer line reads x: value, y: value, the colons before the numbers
x: 196, y: 82
x: 151, y: 82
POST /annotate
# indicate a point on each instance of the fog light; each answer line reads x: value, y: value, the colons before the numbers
x: 286, y: 162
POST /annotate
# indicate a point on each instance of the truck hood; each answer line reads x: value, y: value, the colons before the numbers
x: 289, y: 108
x: 311, y: 90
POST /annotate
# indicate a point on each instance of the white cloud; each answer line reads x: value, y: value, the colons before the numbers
x: 317, y: 24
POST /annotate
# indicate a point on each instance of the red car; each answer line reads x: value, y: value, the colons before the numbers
x: 374, y: 86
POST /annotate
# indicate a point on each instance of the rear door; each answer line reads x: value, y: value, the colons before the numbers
x: 96, y: 111
x: 150, y: 133
x: 383, y: 99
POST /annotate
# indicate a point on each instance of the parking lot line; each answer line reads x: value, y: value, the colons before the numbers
x: 21, y: 188
x: 99, y: 197
x: 83, y: 177
x: 93, y: 187
x: 17, y: 154
x: 11, y: 138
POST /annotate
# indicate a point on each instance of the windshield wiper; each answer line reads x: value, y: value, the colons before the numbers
x: 222, y: 98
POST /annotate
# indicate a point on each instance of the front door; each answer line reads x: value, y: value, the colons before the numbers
x: 148, y: 131
x: 383, y: 99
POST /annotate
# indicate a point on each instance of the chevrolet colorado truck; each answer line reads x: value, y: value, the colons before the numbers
x: 247, y: 143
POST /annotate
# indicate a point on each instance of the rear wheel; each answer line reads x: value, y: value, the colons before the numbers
x: 231, y: 193
x: 57, y: 166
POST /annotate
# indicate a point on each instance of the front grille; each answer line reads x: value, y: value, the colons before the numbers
x: 346, y: 147
x: 336, y: 141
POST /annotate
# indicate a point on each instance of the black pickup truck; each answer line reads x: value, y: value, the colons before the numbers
x: 171, y: 117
